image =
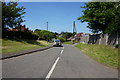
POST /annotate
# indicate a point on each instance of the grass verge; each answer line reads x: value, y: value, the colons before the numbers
x: 101, y: 53
x: 21, y: 45
x: 67, y: 42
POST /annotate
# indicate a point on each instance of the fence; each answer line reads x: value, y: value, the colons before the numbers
x: 101, y: 39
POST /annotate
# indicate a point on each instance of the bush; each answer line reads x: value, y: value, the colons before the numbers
x: 17, y: 34
x: 117, y: 46
x: 62, y: 39
x: 45, y: 35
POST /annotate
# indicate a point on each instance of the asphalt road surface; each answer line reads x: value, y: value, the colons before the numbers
x: 56, y: 62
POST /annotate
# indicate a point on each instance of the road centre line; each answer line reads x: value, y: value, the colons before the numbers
x: 53, y: 67
x: 61, y: 52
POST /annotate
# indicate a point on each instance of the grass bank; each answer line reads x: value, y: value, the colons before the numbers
x: 103, y: 54
x: 67, y: 42
x: 21, y: 45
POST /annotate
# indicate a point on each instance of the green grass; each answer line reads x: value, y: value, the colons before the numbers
x: 103, y: 54
x: 21, y: 45
x: 0, y: 45
x: 67, y: 42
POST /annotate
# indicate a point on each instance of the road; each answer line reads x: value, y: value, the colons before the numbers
x: 57, y: 62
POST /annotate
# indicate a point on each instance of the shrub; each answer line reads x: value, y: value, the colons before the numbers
x: 17, y: 34
x: 62, y: 39
x: 117, y: 45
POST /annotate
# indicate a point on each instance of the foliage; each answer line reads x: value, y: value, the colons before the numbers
x: 16, y: 34
x: 117, y: 46
x: 11, y: 14
x: 66, y: 35
x: 44, y: 35
x: 73, y: 33
x: 37, y: 30
x: 101, y: 16
x: 62, y: 39
x: 56, y: 35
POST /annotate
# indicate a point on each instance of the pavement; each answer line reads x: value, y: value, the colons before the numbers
x: 56, y: 62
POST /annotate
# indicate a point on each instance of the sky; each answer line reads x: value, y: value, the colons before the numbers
x: 60, y: 16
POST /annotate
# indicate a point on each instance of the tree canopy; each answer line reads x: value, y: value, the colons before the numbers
x: 12, y: 14
x: 101, y: 16
x: 66, y: 35
x: 44, y: 35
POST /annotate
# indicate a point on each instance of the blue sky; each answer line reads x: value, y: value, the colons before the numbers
x: 60, y: 16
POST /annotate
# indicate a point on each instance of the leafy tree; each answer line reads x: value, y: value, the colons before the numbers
x: 55, y: 35
x: 73, y: 33
x: 44, y: 35
x: 62, y: 39
x: 101, y: 16
x: 12, y: 14
x: 37, y: 31
x: 66, y: 35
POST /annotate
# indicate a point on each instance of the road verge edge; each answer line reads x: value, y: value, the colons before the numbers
x: 15, y: 54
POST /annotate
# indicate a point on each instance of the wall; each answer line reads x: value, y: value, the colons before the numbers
x: 101, y: 39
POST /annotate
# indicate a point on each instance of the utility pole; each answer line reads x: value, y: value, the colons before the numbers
x: 47, y: 26
x: 47, y: 30
x: 74, y: 31
x: 74, y: 28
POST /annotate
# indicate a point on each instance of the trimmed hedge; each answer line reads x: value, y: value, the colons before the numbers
x: 17, y: 34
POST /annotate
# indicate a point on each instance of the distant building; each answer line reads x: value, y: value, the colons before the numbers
x: 78, y: 36
x: 20, y: 28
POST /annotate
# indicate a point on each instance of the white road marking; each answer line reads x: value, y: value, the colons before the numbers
x: 53, y: 67
x: 63, y: 47
x: 61, y: 52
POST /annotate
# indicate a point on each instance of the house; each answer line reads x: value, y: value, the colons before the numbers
x: 20, y: 28
x: 78, y: 36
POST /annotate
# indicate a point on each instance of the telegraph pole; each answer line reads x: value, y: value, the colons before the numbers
x: 47, y: 30
x: 73, y: 25
x: 74, y: 28
x: 47, y: 26
x: 74, y: 31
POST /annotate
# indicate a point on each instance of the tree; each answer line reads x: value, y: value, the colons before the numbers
x: 101, y: 16
x: 12, y: 14
x: 44, y: 35
x: 37, y: 31
x: 66, y: 35
x: 55, y: 35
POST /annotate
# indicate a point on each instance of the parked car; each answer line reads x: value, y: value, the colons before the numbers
x: 57, y: 43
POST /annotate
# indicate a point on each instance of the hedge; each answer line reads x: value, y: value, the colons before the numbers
x: 17, y: 34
